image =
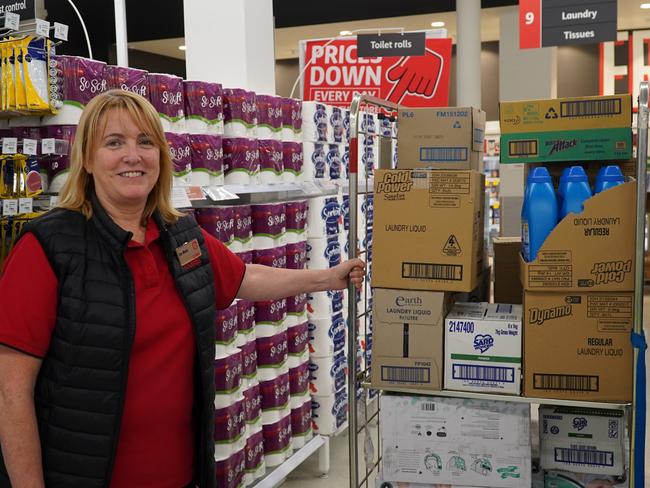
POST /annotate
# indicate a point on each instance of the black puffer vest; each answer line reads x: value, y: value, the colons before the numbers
x: 81, y: 386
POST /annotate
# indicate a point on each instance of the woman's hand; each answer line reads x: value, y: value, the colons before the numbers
x: 352, y: 270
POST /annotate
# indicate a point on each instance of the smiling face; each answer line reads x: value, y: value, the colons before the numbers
x: 124, y: 164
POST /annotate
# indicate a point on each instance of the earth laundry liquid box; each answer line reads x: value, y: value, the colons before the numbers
x: 590, y: 251
x: 408, y: 338
x: 428, y: 230
x: 483, y: 348
x: 566, y: 129
x: 587, y: 335
x: 582, y: 440
x: 455, y: 441
x: 441, y: 138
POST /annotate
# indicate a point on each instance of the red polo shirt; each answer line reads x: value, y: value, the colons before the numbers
x: 156, y: 448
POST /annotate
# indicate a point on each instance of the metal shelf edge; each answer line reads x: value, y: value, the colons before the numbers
x: 503, y: 398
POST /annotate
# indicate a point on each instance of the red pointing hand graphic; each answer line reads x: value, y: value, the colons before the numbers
x: 415, y: 75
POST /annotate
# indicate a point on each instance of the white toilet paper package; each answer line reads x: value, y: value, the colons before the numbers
x: 203, y: 107
x: 291, y: 119
x: 345, y: 162
x: 336, y: 125
x: 323, y: 252
x: 207, y: 159
x: 239, y: 112
x: 327, y: 336
x: 181, y: 154
x: 271, y: 160
x: 324, y: 217
x: 314, y: 122
x: 166, y: 95
x: 368, y: 123
x: 269, y: 117
x: 292, y: 160
x: 230, y: 471
x: 334, y: 164
x: 219, y: 222
x: 329, y: 413
x: 325, y: 303
x: 314, y: 166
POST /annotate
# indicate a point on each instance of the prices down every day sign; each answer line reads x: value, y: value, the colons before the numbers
x: 336, y: 74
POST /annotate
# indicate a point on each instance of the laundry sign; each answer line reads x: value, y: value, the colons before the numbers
x: 544, y: 23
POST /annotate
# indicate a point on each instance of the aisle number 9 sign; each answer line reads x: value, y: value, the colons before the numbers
x: 544, y: 23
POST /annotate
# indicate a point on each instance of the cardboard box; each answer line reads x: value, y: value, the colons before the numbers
x: 479, y: 294
x: 566, y: 129
x: 483, y: 348
x: 564, y: 479
x: 441, y: 138
x: 582, y: 440
x: 428, y: 230
x: 506, y: 265
x: 408, y: 338
x: 591, y: 251
x: 587, y: 335
x: 449, y: 440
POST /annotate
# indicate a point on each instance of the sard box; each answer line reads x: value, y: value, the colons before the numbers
x: 483, y: 348
x: 590, y: 251
x: 408, y: 338
x: 441, y: 138
x: 582, y: 440
x: 587, y: 335
x: 455, y: 441
x: 428, y: 230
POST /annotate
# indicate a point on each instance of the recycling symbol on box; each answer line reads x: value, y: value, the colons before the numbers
x: 457, y: 125
x: 452, y: 248
x: 551, y: 114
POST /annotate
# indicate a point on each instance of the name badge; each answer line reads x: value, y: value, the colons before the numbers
x: 189, y: 253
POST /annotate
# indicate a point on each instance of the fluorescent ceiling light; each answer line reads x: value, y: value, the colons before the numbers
x: 345, y: 33
x: 645, y: 6
x: 182, y: 48
x: 438, y: 23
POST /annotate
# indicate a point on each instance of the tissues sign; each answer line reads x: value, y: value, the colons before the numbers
x: 378, y: 45
x: 336, y: 70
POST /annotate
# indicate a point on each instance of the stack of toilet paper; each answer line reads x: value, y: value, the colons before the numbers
x: 328, y: 384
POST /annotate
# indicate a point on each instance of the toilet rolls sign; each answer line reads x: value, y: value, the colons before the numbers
x: 335, y: 74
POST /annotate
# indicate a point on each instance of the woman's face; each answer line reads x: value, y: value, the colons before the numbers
x: 125, y: 163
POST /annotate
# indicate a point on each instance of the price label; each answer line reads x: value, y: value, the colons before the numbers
x: 9, y: 207
x: 25, y: 205
x: 42, y: 28
x: 179, y: 197
x: 30, y: 147
x: 9, y: 145
x: 48, y: 146
x: 54, y: 200
x: 12, y: 21
x: 60, y: 31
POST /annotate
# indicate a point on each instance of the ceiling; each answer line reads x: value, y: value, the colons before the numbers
x: 295, y: 20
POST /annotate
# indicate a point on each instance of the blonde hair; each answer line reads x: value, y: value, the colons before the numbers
x: 76, y: 192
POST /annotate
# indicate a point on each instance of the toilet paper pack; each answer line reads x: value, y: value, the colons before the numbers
x: 207, y: 159
x: 272, y: 351
x: 229, y: 429
x: 327, y: 336
x: 368, y: 123
x: 219, y: 222
x: 324, y: 217
x: 239, y: 113
x: 243, y: 227
x: 249, y: 361
x: 328, y: 374
x: 336, y: 129
x: 271, y: 161
x: 129, y: 79
x: 181, y: 154
x: 255, y: 467
x: 299, y: 382
x: 230, y: 471
x: 292, y: 161
x: 296, y: 310
x: 296, y: 221
x: 269, y: 317
x: 269, y: 225
x: 58, y: 166
x: 325, y: 304
x: 346, y: 126
x: 314, y: 122
x: 227, y: 373
x: 291, y: 119
x: 252, y: 404
x: 240, y: 160
x: 269, y: 117
x: 275, y: 398
x: 225, y: 330
x: 323, y: 252
x: 301, y: 424
x: 314, y: 165
x: 334, y: 163
x: 275, y: 257
x: 296, y: 255
x: 166, y: 95
x: 245, y: 322
x: 203, y: 107
x: 277, y: 441
x: 330, y: 412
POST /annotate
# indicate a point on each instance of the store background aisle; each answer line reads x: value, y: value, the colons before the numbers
x: 307, y: 475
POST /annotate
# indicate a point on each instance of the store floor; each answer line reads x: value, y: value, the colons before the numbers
x: 308, y: 476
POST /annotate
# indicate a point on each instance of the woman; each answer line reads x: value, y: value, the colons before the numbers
x: 107, y: 319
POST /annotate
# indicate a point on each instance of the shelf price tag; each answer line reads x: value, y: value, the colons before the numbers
x: 48, y: 146
x: 25, y: 205
x: 60, y: 31
x: 30, y: 147
x: 180, y: 198
x: 9, y: 207
x: 9, y: 145
x: 12, y: 21
x: 42, y: 28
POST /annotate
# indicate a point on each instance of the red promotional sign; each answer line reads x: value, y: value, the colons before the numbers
x: 335, y: 74
x: 530, y: 24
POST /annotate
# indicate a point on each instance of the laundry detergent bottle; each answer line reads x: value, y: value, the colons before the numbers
x: 539, y: 213
x: 608, y: 177
x: 576, y: 191
x: 561, y: 188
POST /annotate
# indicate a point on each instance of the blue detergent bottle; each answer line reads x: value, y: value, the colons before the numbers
x: 608, y: 177
x: 539, y: 213
x: 576, y: 191
x: 561, y: 187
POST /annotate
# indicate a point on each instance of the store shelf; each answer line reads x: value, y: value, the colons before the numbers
x: 503, y: 398
x: 363, y: 186
x: 278, y: 474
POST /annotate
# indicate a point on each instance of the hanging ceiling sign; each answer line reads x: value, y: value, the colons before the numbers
x: 544, y: 23
x: 334, y: 74
x: 24, y: 8
x: 382, y: 45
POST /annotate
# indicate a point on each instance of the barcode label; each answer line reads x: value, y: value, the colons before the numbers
x: 522, y: 148
x: 428, y: 407
x: 443, y: 154
x: 429, y: 271
x: 586, y: 108
x: 483, y: 373
x: 401, y: 374
x: 577, y: 456
x: 565, y: 382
